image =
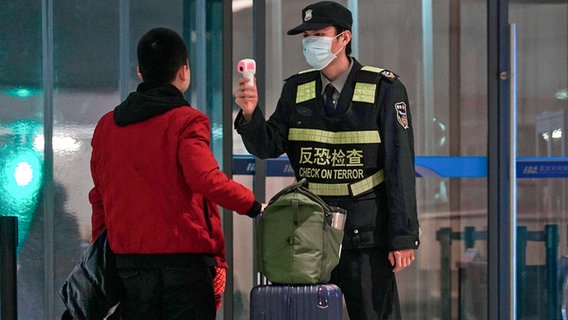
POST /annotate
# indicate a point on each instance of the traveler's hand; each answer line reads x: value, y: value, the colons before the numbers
x: 401, y: 259
x: 246, y: 97
x: 262, y: 207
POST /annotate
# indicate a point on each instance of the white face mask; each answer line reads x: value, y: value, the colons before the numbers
x: 317, y: 51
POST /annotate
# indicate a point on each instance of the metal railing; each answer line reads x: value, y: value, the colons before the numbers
x: 548, y: 272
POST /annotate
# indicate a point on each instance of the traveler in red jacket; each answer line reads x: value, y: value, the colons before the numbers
x: 156, y: 190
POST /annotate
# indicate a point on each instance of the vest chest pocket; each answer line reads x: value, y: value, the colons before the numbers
x: 306, y: 91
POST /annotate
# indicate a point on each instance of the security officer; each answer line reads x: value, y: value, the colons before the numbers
x: 347, y: 129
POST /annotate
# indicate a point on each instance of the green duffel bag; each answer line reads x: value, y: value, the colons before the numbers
x: 296, y: 243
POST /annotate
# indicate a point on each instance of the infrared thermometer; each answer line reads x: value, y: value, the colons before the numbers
x: 247, y: 67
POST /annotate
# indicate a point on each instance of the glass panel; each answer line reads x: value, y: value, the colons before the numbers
x: 542, y: 155
x: 21, y: 144
x: 86, y: 73
x: 433, y: 48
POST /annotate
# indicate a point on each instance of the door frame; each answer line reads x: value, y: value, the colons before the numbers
x: 500, y: 237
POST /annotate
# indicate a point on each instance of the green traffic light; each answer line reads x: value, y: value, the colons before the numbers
x: 21, y: 173
x: 21, y: 92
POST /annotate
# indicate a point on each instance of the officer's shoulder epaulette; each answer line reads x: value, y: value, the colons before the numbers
x: 308, y: 71
x: 303, y: 74
x: 385, y: 74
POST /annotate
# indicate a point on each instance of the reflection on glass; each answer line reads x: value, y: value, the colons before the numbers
x: 21, y: 177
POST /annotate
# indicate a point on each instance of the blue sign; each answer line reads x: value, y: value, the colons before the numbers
x: 451, y: 167
x: 429, y: 166
x: 542, y: 168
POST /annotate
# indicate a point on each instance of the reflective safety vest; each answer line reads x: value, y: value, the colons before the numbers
x: 341, y: 155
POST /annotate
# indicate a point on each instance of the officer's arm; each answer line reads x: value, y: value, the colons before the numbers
x: 396, y: 123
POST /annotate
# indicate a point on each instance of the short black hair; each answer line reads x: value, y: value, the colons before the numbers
x: 339, y: 30
x: 161, y: 52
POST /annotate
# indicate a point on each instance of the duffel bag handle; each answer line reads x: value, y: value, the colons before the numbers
x: 287, y: 189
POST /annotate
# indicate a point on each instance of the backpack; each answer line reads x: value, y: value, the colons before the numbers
x: 296, y: 243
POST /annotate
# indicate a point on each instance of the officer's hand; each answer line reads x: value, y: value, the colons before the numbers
x: 401, y: 259
x: 246, y: 97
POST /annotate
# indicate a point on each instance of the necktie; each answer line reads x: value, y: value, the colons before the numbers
x: 329, y: 102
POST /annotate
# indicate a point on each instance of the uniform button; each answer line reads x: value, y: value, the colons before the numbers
x: 290, y: 240
x: 415, y: 243
x: 355, y: 231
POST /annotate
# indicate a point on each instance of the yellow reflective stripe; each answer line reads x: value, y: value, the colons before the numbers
x: 306, y: 91
x: 329, y: 189
x: 330, y: 137
x: 372, y: 69
x: 368, y: 183
x: 344, y: 189
x: 364, y: 92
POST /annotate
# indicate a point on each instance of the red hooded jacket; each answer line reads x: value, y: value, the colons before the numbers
x: 156, y: 181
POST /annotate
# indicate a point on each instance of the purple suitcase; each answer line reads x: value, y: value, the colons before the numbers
x: 296, y: 302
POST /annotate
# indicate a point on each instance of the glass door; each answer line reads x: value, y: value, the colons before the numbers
x: 540, y: 96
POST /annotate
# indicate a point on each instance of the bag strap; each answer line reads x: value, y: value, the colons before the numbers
x: 295, y: 212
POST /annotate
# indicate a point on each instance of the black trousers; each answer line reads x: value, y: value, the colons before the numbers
x: 167, y: 287
x: 369, y: 286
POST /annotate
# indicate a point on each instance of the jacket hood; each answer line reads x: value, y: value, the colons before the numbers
x: 149, y: 100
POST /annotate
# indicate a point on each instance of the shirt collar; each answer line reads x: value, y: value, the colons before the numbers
x: 339, y: 82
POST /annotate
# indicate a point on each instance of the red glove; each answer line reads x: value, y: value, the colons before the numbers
x: 219, y: 285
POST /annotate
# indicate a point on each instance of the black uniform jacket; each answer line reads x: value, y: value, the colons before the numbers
x: 371, y: 99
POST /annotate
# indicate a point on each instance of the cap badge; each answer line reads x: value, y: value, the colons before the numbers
x: 308, y: 15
